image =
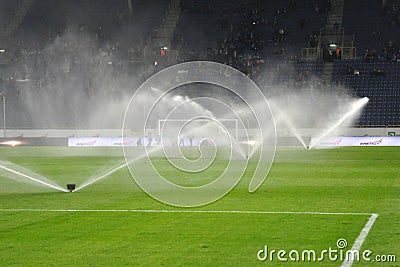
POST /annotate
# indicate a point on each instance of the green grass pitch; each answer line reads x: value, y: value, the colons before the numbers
x: 36, y: 229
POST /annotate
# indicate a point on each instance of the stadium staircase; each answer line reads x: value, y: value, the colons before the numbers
x: 335, y: 15
x: 332, y: 32
x: 8, y: 30
x: 164, y: 35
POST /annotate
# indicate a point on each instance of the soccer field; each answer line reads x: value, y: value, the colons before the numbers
x: 310, y: 200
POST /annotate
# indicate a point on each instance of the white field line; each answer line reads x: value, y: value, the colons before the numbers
x: 191, y: 211
x: 360, y: 239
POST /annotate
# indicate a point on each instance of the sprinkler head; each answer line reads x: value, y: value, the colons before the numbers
x: 71, y: 187
x: 308, y: 147
x: 247, y: 157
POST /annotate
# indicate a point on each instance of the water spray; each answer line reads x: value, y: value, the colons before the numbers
x: 355, y: 107
x: 282, y: 116
x: 59, y: 188
x: 113, y: 170
x: 96, y: 179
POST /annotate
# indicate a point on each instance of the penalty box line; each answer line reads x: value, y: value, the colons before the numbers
x: 360, y: 239
x: 192, y: 211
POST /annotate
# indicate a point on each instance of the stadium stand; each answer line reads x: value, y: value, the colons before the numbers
x: 376, y: 24
x: 379, y: 81
x: 234, y: 32
x: 264, y: 39
x: 376, y: 71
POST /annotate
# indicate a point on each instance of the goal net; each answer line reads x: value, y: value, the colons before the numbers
x: 197, y: 127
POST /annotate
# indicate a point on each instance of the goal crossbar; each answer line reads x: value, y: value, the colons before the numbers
x: 161, y: 122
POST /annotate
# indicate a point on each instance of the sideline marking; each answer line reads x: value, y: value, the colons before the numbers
x: 194, y: 211
x: 360, y: 239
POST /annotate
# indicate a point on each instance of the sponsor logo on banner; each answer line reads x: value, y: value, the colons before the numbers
x: 372, y: 143
x: 146, y: 141
x: 87, y: 143
x: 335, y: 142
x: 129, y: 142
x: 360, y: 141
x: 103, y: 141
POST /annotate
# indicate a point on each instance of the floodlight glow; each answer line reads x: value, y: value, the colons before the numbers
x: 250, y: 142
x: 12, y: 143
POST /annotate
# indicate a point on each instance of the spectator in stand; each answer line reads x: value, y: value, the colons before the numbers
x: 350, y: 70
x: 313, y: 40
x: 374, y: 56
x: 367, y: 56
x: 394, y: 57
x: 338, y: 53
x: 281, y: 35
x: 378, y: 72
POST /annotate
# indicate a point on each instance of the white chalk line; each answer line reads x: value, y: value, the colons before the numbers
x: 191, y: 211
x: 360, y: 239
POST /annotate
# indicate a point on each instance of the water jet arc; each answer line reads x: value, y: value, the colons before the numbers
x: 33, y: 179
x: 356, y: 107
